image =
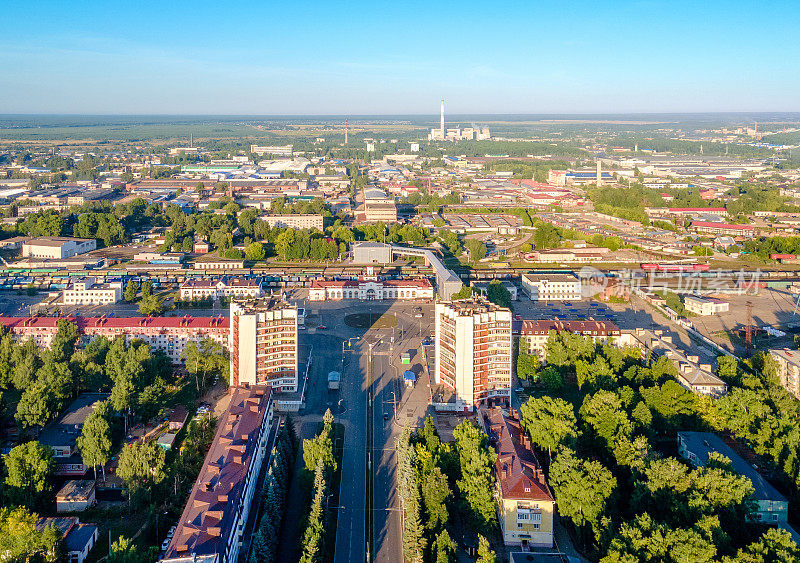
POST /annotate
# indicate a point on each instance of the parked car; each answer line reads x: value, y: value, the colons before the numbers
x: 165, y: 544
x: 321, y: 327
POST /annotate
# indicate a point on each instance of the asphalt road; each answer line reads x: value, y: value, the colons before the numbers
x: 350, y: 531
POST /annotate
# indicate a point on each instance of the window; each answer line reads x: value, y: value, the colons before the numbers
x: 536, y: 526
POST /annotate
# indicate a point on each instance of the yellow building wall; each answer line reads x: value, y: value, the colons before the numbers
x: 514, y: 534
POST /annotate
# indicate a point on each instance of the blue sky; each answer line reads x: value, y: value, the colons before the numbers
x: 381, y: 57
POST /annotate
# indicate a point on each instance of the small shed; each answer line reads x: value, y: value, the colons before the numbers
x: 405, y: 358
x: 409, y: 378
x: 178, y: 418
x: 76, y: 495
x: 166, y: 440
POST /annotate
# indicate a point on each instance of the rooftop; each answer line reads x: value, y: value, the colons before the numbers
x: 207, y: 521
x: 519, y: 473
x: 65, y: 430
x: 702, y: 443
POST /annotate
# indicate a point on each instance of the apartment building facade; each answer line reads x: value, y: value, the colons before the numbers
x: 167, y: 334
x: 788, y: 363
x: 473, y: 350
x: 212, y: 524
x: 298, y: 221
x: 264, y: 344
x: 534, y: 334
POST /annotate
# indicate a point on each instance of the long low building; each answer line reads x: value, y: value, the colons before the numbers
x: 167, y: 334
x: 734, y: 230
x: 214, y: 289
x: 771, y: 506
x: 552, y: 287
x: 212, y: 523
x: 370, y: 289
x: 535, y: 334
x: 90, y: 292
x: 298, y: 221
x: 705, y: 306
x: 57, y: 247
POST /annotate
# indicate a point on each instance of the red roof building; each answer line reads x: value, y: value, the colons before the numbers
x: 218, y: 508
x: 526, y: 504
x: 167, y: 334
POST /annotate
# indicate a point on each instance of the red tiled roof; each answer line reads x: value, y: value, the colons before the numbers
x: 722, y: 225
x: 579, y: 327
x: 21, y: 323
x: 698, y: 209
x: 207, y: 520
x: 518, y: 471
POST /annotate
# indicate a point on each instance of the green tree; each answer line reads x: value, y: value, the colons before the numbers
x: 647, y: 540
x: 727, y: 368
x: 550, y: 422
x: 583, y: 490
x: 254, y: 252
x: 603, y: 411
x: 131, y: 290
x: 464, y: 293
x: 435, y: 492
x: 314, y: 535
x: 485, y: 553
x: 477, y: 479
x: 142, y: 465
x: 444, y: 548
x: 28, y: 469
x: 147, y: 288
x: 546, y: 236
x: 151, y: 306
x: 35, y: 407
x: 775, y: 545
x: 498, y: 294
x: 20, y: 541
x: 95, y: 439
x: 527, y: 365
x: 476, y: 248
x: 123, y: 550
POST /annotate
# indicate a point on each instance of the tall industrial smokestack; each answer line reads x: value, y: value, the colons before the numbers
x: 345, y: 131
x: 441, y: 121
x: 599, y: 173
x: 191, y: 140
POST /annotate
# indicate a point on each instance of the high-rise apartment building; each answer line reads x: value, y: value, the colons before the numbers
x: 264, y: 344
x: 473, y: 350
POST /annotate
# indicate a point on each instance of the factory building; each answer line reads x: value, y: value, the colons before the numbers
x: 57, y: 248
